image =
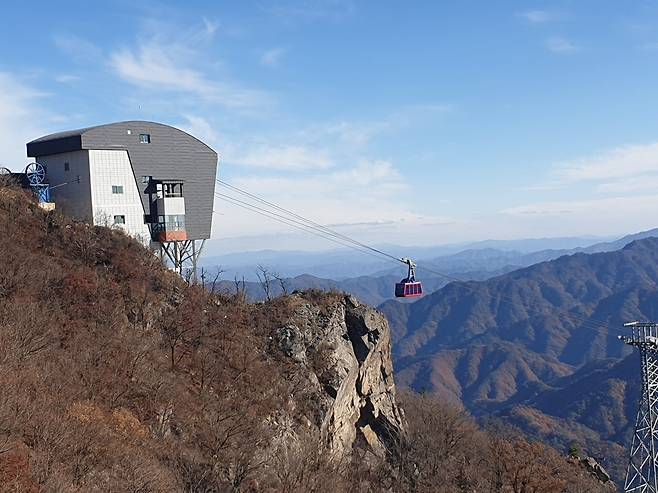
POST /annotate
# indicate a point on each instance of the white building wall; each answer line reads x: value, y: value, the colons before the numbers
x: 110, y: 168
x: 70, y: 197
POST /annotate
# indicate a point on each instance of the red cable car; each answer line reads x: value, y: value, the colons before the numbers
x: 409, y: 287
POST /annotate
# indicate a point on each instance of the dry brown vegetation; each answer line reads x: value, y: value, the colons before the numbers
x: 445, y: 447
x: 116, y: 376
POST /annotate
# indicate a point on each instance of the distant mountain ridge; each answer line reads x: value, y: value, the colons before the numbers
x: 538, y: 346
x: 541, y: 308
x: 345, y: 263
x: 475, y: 264
x: 369, y: 289
x: 500, y: 260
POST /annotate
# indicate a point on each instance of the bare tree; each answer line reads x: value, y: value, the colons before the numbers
x: 265, y: 278
x: 188, y: 275
x: 283, y: 282
x: 240, y: 288
x: 218, y: 275
x: 183, y: 325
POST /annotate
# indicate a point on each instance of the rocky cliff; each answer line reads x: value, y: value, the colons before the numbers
x: 343, y: 352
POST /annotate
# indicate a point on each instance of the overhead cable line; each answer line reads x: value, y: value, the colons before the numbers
x: 295, y: 224
x: 302, y: 223
x: 313, y: 224
x: 77, y: 180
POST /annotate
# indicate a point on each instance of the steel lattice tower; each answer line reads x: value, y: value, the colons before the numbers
x: 642, y: 472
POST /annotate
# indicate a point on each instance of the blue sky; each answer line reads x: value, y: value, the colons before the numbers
x: 399, y: 122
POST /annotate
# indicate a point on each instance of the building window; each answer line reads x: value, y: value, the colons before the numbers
x: 119, y: 219
x: 146, y: 179
x: 173, y: 189
x: 144, y: 138
x: 67, y: 166
x: 165, y: 190
x: 172, y: 223
x: 117, y: 188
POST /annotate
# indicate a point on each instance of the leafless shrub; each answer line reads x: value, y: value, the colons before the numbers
x: 283, y: 283
x: 24, y: 332
x: 240, y: 289
x: 302, y: 464
x: 266, y: 280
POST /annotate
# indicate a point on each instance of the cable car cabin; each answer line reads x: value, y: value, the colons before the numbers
x: 406, y: 289
x: 409, y: 287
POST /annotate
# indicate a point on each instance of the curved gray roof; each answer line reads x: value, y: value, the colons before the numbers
x: 75, y: 140
x: 67, y: 133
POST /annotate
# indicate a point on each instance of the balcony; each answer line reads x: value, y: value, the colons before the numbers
x: 169, y: 228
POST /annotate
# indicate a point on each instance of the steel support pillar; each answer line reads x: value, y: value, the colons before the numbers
x: 642, y: 472
x: 182, y: 256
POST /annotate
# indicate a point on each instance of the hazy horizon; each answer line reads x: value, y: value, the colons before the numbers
x: 323, y: 246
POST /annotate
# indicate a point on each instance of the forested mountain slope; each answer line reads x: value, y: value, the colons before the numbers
x: 538, y: 323
x: 538, y: 346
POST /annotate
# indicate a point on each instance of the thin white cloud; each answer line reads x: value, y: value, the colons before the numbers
x: 615, y: 215
x: 609, y: 209
x: 431, y: 108
x: 154, y: 65
x: 272, y: 57
x: 369, y: 172
x: 353, y: 136
x: 200, y: 128
x: 652, y: 46
x: 283, y: 158
x: 210, y: 26
x: 66, y: 78
x: 296, y: 11
x: 367, y: 180
x: 536, y: 16
x: 22, y: 118
x: 557, y: 44
x: 81, y: 49
x: 366, y: 194
x: 634, y: 184
x: 620, y: 162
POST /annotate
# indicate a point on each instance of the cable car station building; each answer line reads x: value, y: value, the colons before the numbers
x: 154, y: 181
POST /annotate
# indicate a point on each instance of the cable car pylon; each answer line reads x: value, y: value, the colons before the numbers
x: 642, y: 472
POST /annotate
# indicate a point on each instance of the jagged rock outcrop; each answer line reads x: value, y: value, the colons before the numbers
x: 344, y: 348
x: 595, y: 470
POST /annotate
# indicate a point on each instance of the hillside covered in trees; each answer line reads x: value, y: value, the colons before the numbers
x: 538, y: 346
x: 117, y: 376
